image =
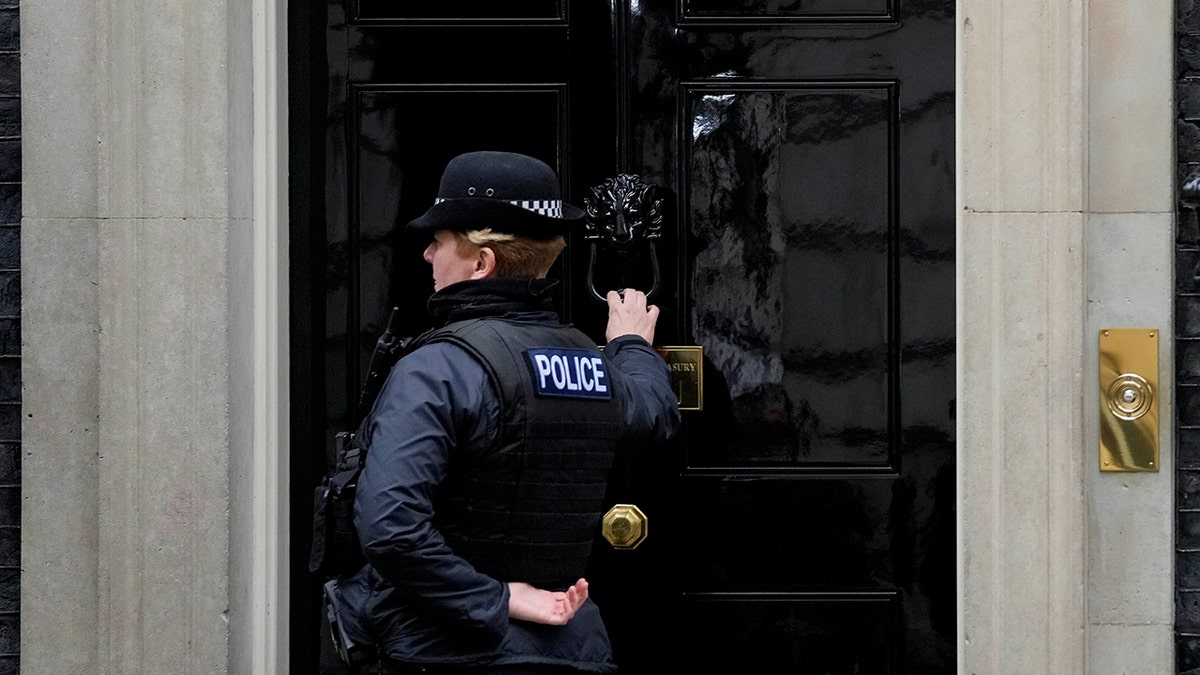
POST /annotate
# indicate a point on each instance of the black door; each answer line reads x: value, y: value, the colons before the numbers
x: 803, y: 521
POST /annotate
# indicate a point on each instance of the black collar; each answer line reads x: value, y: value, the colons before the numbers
x: 477, y: 298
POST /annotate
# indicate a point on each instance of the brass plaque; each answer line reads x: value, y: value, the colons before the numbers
x: 687, y: 375
x: 1129, y: 399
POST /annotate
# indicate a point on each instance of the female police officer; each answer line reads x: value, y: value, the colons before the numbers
x: 489, y: 447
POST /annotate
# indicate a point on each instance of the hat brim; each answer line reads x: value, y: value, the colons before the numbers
x: 460, y: 215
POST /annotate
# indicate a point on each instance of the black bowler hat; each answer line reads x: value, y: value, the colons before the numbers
x: 505, y: 191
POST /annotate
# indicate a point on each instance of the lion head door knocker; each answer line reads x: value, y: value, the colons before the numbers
x: 622, y: 214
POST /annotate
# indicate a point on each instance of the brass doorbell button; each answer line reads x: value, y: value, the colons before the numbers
x: 1130, y: 396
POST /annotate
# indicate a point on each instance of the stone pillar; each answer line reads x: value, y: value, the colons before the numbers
x: 1129, y: 242
x: 152, y: 278
x: 60, y: 510
x: 1020, y: 318
x: 1064, y: 187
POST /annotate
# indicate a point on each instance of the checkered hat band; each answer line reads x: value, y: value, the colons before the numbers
x: 552, y: 208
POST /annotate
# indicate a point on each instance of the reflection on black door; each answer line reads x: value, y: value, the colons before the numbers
x: 803, y: 521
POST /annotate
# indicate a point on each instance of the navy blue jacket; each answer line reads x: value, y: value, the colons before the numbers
x: 417, y: 599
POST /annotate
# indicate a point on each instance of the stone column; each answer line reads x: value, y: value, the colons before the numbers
x: 1129, y: 242
x: 60, y: 510
x: 1020, y: 318
x: 1064, y: 186
x: 152, y: 279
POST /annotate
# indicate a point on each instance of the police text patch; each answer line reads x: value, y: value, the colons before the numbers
x: 577, y: 373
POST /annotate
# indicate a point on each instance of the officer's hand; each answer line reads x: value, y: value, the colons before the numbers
x: 554, y: 608
x: 630, y: 315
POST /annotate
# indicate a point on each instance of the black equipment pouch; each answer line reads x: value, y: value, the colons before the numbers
x: 335, y: 548
x: 354, y: 654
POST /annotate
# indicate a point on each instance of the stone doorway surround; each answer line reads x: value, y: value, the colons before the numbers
x: 155, y: 349
x: 156, y: 266
x: 1066, y: 226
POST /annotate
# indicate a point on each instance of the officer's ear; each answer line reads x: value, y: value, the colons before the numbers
x: 485, y: 263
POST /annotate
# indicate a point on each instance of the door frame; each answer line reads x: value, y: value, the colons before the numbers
x: 264, y: 644
x: 1021, y: 602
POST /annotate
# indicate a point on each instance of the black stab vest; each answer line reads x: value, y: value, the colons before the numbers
x: 527, y: 509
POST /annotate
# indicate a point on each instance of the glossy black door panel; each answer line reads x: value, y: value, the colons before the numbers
x: 761, y: 535
x: 811, y: 156
x: 789, y: 214
x: 793, y: 633
x: 400, y: 131
x: 786, y: 11
x: 803, y: 521
x: 458, y: 11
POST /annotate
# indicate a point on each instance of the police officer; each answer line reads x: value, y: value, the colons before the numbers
x: 489, y: 447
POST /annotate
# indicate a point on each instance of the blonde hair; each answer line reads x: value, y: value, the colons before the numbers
x: 515, y: 256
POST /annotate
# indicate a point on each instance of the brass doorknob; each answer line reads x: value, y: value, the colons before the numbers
x: 624, y: 526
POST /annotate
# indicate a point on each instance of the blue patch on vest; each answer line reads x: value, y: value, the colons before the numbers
x: 575, y: 373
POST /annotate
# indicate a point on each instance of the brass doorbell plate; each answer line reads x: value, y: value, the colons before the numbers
x: 1129, y: 399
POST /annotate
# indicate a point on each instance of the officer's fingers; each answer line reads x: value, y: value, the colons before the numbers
x: 652, y: 310
x: 568, y: 610
x: 636, y: 298
x: 614, y: 299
